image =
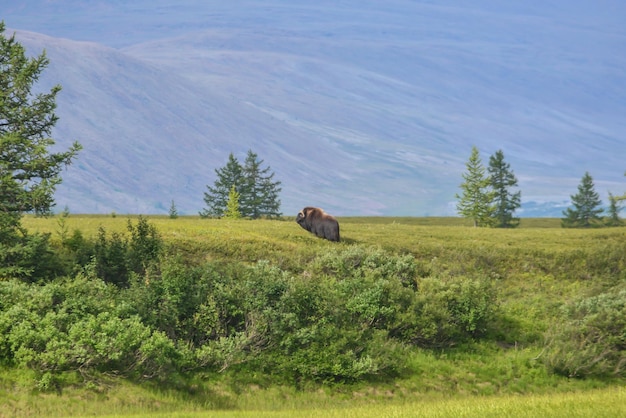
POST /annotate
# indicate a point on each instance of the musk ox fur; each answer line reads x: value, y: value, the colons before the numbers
x: 318, y: 222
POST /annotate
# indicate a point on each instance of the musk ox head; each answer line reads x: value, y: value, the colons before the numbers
x: 318, y: 222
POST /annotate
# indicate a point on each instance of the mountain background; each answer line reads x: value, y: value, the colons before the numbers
x: 360, y: 107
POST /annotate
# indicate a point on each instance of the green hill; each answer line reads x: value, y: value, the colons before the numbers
x: 196, y: 314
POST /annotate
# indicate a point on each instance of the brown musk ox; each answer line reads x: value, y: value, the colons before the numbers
x: 318, y: 222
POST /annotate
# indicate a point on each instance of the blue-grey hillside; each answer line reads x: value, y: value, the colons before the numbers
x: 360, y: 107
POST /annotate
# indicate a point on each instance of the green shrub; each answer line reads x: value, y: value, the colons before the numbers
x: 448, y: 312
x: 144, y: 247
x: 592, y: 339
x: 357, y: 261
x: 309, y: 335
x: 110, y: 258
x: 77, y: 326
x: 30, y: 258
x: 117, y: 257
x: 168, y: 296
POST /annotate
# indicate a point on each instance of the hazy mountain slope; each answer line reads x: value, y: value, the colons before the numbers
x: 359, y: 107
x: 150, y: 136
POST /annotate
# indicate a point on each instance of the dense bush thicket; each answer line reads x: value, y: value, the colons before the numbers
x: 137, y: 310
x: 130, y: 305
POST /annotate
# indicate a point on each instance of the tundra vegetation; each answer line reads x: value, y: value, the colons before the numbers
x: 154, y: 314
x: 172, y: 314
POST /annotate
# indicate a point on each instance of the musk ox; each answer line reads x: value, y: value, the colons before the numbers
x: 318, y: 222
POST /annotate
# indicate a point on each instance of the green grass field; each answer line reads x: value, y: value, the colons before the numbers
x: 536, y: 268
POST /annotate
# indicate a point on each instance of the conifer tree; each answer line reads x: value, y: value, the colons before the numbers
x: 257, y: 191
x: 505, y: 202
x: 270, y: 204
x: 232, y: 207
x: 476, y: 201
x: 259, y: 194
x: 216, y: 198
x: 173, y: 212
x: 613, y: 218
x: 29, y: 171
x: 586, y: 211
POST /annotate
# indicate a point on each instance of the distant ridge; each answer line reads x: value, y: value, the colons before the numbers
x: 360, y: 108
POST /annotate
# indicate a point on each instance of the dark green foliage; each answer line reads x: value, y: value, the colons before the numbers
x: 505, y: 201
x: 613, y: 218
x: 587, y: 210
x: 592, y: 339
x: 173, y: 212
x: 448, y: 312
x: 29, y: 258
x: 168, y: 297
x: 384, y: 291
x: 476, y: 200
x: 29, y: 173
x: 110, y: 258
x: 216, y: 198
x: 304, y: 331
x: 116, y: 257
x: 78, y: 249
x: 77, y: 326
x: 257, y: 192
x: 144, y: 247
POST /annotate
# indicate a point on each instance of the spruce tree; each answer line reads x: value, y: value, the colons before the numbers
x: 173, y: 212
x: 216, y: 198
x: 259, y: 194
x: 615, y: 207
x: 505, y: 202
x: 29, y: 171
x: 270, y: 204
x: 476, y: 201
x: 232, y: 207
x: 586, y: 211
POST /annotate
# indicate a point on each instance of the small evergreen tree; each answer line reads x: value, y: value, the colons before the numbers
x: 270, y: 204
x: 476, y: 201
x: 615, y: 207
x: 259, y: 194
x: 62, y: 224
x: 216, y: 198
x: 586, y: 211
x: 505, y: 202
x: 232, y: 207
x: 173, y: 212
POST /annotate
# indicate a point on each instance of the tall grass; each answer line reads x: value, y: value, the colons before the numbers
x: 606, y: 403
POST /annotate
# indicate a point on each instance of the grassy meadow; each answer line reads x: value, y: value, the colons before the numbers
x: 534, y: 271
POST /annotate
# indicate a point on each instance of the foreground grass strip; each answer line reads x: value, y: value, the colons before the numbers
x: 598, y: 403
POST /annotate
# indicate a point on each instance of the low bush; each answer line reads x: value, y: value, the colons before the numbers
x: 76, y: 326
x: 447, y: 312
x: 29, y: 257
x: 351, y: 316
x: 592, y: 339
